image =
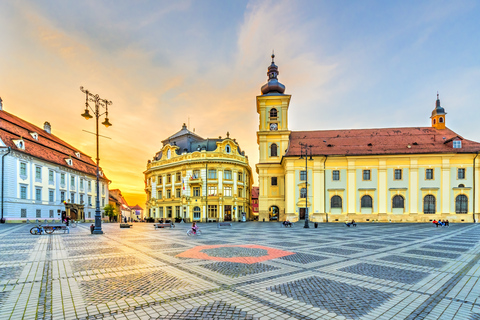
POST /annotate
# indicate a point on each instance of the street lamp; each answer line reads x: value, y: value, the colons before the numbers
x: 306, y: 148
x: 99, y: 102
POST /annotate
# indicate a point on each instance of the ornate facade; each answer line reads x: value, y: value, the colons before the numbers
x: 197, y: 179
x: 387, y: 174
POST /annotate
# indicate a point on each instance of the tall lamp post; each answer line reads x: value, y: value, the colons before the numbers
x: 99, y: 102
x: 304, y: 151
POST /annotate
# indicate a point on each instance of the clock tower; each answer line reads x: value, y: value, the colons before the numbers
x: 272, y: 138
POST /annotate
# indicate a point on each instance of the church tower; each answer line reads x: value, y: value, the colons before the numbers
x: 438, y: 115
x: 272, y: 138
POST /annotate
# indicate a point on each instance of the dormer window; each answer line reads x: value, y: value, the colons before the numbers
x: 77, y: 154
x: 169, y: 154
x: 100, y: 173
x: 20, y: 144
x: 34, y: 135
x: 69, y: 161
x: 227, y: 148
x: 457, y: 144
x: 440, y: 120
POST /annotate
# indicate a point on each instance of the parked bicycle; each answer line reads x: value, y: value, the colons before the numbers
x: 38, y: 230
x: 190, y: 232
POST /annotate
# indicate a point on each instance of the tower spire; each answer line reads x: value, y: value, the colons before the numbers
x: 273, y: 86
x: 438, y: 115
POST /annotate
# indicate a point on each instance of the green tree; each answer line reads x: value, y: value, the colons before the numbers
x: 110, y: 211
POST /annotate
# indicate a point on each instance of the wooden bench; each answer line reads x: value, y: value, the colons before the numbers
x: 163, y: 225
x: 224, y: 224
x: 125, y: 225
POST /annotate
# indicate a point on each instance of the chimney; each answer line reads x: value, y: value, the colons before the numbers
x: 1, y: 105
x: 47, y: 127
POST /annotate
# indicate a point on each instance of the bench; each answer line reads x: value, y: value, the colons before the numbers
x: 125, y: 225
x: 163, y: 225
x: 224, y: 224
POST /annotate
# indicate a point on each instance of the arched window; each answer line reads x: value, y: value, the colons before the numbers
x: 273, y: 213
x: 429, y: 204
x: 169, y: 154
x: 336, y: 202
x: 273, y: 113
x: 434, y: 121
x: 303, y: 193
x: 440, y: 120
x: 366, y: 201
x: 196, y: 213
x: 398, y: 202
x: 273, y: 150
x: 227, y: 148
x: 461, y: 204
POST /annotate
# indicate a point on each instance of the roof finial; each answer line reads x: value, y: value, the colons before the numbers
x: 437, y: 95
x: 273, y: 55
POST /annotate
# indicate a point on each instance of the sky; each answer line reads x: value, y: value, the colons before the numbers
x: 347, y: 64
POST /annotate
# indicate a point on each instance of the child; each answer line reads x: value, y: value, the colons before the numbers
x: 194, y: 227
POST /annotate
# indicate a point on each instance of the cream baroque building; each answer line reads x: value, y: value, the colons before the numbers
x: 412, y: 174
x: 198, y: 179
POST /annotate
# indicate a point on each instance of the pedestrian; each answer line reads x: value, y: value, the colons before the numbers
x: 67, y: 224
x: 92, y: 227
x: 125, y: 219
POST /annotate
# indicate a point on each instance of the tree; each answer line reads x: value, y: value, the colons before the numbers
x: 110, y: 211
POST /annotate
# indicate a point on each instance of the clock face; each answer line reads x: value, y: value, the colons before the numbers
x: 273, y: 126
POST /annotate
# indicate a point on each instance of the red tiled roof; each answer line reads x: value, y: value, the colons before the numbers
x: 48, y: 147
x: 382, y: 141
x: 137, y: 207
x: 255, y: 192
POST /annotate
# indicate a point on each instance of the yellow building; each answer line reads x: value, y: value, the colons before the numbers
x: 197, y: 179
x: 388, y: 174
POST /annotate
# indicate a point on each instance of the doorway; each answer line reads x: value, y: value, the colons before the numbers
x: 302, y: 214
x: 227, y: 213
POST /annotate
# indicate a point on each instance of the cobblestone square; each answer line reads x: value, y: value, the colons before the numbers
x: 253, y: 271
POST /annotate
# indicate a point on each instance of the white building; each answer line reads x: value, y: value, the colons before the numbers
x: 43, y: 177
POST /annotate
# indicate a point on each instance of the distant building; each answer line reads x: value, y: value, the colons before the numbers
x: 136, y: 213
x: 120, y: 204
x: 387, y: 174
x: 198, y: 179
x: 255, y: 191
x: 44, y: 177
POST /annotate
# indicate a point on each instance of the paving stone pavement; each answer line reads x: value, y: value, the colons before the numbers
x: 263, y: 271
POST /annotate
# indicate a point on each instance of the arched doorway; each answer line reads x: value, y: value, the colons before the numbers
x: 273, y: 213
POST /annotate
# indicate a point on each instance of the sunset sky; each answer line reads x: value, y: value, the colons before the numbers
x: 347, y: 64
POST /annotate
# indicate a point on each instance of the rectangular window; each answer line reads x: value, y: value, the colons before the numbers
x: 178, y: 193
x: 23, y: 169
x: 81, y: 199
x: 23, y: 213
x: 23, y: 192
x: 196, y: 174
x: 39, y: 213
x: 38, y: 194
x: 178, y: 177
x: 62, y: 178
x: 303, y: 175
x: 429, y: 174
x: 273, y: 181
x: 50, y: 214
x: 89, y: 186
x: 461, y: 173
x: 169, y: 178
x: 50, y: 175
x: 212, y: 174
x: 72, y: 181
x: 228, y: 174
x: 169, y: 194
x: 62, y: 196
x: 196, y: 191
x: 366, y: 175
x: 38, y: 173
x: 336, y: 175
x: 81, y: 184
x: 72, y: 197
x: 89, y: 201
x: 160, y: 212
x: 212, y: 211
x: 103, y: 202
x: 160, y: 194
x: 457, y: 144
x: 177, y: 211
x: 240, y: 176
x: 51, y: 196
x: 398, y: 174
x: 240, y: 192
x: 103, y: 188
x: 169, y: 212
x: 159, y: 179
x: 227, y: 191
x: 212, y: 190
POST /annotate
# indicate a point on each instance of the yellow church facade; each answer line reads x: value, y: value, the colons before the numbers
x: 412, y: 174
x: 197, y: 179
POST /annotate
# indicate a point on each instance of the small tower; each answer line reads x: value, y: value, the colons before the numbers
x: 438, y: 115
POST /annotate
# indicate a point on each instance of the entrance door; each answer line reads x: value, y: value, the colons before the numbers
x: 302, y: 214
x: 227, y: 216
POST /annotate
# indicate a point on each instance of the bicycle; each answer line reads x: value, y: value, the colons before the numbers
x: 190, y: 232
x: 73, y: 223
x: 38, y: 230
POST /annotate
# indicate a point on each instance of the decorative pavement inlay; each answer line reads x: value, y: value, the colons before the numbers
x: 216, y: 310
x: 92, y: 264
x: 8, y: 273
x: 234, y: 269
x: 436, y: 253
x: 304, y: 258
x: 132, y: 285
x: 365, y: 246
x: 350, y: 301
x: 97, y: 251
x: 445, y: 248
x: 334, y: 250
x: 217, y: 252
x: 414, y: 261
x: 386, y: 273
